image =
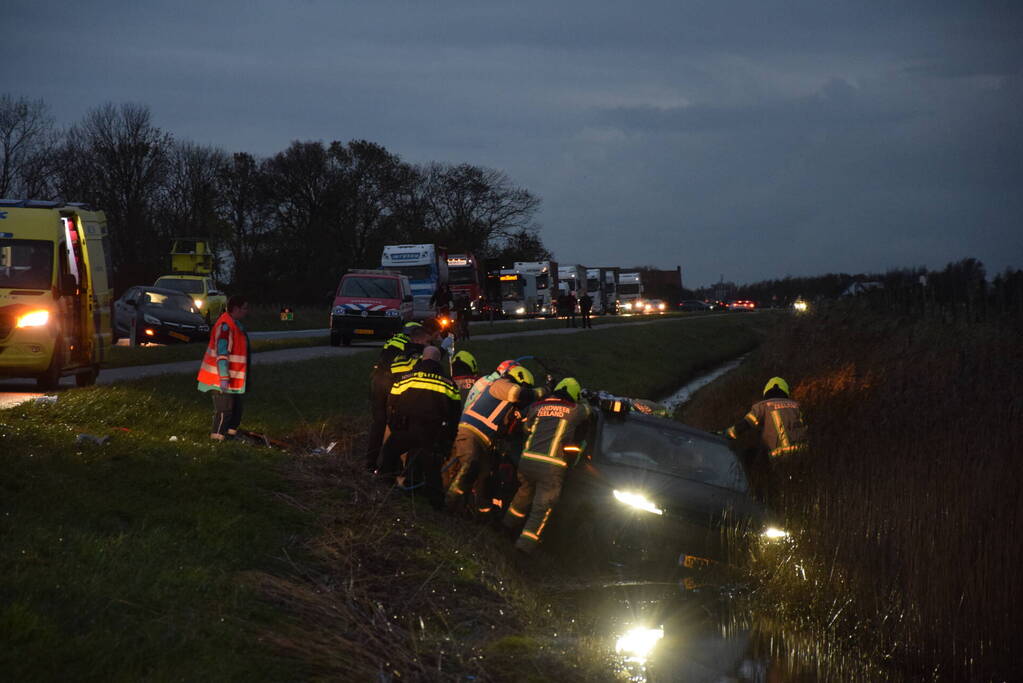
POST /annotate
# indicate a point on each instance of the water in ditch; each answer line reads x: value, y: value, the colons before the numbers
x: 669, y: 624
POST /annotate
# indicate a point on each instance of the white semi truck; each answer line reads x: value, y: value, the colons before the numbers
x: 630, y: 291
x: 545, y: 274
x: 426, y: 266
x: 519, y: 294
x: 572, y: 279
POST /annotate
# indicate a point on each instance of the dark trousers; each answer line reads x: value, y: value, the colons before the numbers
x: 472, y: 465
x: 379, y: 390
x: 424, y: 444
x: 586, y: 318
x: 539, y: 490
x: 227, y: 413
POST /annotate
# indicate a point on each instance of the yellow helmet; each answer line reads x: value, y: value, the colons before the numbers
x: 776, y: 383
x: 570, y: 385
x: 521, y: 374
x: 467, y: 358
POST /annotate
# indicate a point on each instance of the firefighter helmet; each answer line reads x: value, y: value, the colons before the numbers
x: 521, y: 374
x: 410, y: 326
x: 570, y: 385
x: 505, y: 366
x: 467, y: 358
x: 776, y: 383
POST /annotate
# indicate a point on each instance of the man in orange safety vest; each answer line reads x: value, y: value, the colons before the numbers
x: 224, y: 369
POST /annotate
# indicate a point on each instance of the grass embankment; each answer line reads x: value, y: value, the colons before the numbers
x: 909, y: 509
x: 265, y: 318
x: 147, y: 558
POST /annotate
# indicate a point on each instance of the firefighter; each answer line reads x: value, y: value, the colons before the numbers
x: 410, y: 340
x: 556, y: 432
x: 464, y: 372
x: 491, y: 410
x: 224, y: 370
x: 778, y: 421
x: 422, y: 414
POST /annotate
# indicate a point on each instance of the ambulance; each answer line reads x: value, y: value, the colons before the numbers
x: 55, y: 295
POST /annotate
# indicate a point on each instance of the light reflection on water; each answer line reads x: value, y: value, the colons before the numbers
x: 662, y: 632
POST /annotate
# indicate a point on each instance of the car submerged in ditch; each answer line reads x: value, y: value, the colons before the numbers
x: 160, y: 316
x: 652, y: 491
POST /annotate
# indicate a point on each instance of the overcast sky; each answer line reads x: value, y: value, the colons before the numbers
x: 744, y: 139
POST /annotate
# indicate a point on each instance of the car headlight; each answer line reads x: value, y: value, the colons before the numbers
x: 392, y: 313
x: 34, y: 319
x: 638, y: 642
x: 198, y: 303
x: 520, y: 311
x: 152, y: 320
x: 660, y: 306
x: 773, y: 533
x: 338, y: 310
x: 627, y: 306
x: 638, y: 501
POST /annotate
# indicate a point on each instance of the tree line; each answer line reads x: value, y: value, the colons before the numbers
x: 284, y: 226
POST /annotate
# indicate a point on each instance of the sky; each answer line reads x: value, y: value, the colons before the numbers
x: 743, y: 140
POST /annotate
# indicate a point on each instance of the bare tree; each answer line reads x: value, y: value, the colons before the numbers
x: 189, y: 201
x: 28, y: 145
x: 117, y: 159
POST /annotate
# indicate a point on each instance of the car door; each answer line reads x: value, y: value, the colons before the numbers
x: 124, y: 311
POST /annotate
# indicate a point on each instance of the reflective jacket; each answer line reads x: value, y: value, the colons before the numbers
x: 424, y: 397
x: 489, y: 412
x: 553, y: 427
x: 465, y: 384
x: 226, y: 357
x: 780, y: 423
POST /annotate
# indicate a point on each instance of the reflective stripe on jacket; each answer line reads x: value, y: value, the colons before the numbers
x: 780, y: 423
x: 232, y: 365
x: 488, y: 412
x: 552, y: 425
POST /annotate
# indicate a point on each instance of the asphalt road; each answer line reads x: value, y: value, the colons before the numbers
x: 15, y: 391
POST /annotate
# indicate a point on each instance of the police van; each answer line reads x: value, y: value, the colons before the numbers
x: 54, y: 291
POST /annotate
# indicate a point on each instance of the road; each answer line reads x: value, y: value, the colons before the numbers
x: 15, y: 391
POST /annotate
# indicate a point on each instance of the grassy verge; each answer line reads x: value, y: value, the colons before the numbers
x: 152, y: 558
x: 907, y: 502
x: 264, y: 318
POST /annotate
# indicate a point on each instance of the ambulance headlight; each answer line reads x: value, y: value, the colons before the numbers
x: 34, y: 319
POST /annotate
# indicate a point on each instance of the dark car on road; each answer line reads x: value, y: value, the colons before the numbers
x: 161, y: 316
x: 652, y: 489
x: 694, y: 305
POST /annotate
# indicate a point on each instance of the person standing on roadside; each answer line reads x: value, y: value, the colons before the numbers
x: 570, y: 304
x: 380, y: 381
x: 585, y: 306
x: 224, y: 369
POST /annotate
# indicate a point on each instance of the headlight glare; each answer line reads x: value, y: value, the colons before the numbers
x: 773, y: 533
x: 638, y: 501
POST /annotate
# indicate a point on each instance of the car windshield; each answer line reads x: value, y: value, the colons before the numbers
x: 642, y: 444
x: 186, y: 286
x: 461, y: 275
x: 26, y: 264
x: 370, y: 287
x: 592, y: 284
x: 512, y: 290
x: 174, y: 302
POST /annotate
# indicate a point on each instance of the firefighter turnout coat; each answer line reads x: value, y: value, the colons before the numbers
x: 779, y: 423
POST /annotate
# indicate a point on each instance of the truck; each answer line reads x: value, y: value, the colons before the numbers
x: 519, y: 293
x: 192, y: 274
x: 425, y: 265
x: 466, y: 279
x: 602, y: 286
x: 630, y: 292
x: 546, y: 276
x: 572, y: 280
x: 55, y: 293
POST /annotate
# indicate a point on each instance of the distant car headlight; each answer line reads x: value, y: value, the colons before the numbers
x: 638, y: 501
x: 34, y: 319
x: 198, y: 303
x: 660, y: 306
x: 152, y: 320
x: 392, y: 313
x: 520, y: 311
x: 627, y: 306
x: 338, y: 310
x: 773, y: 533
x: 801, y: 306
